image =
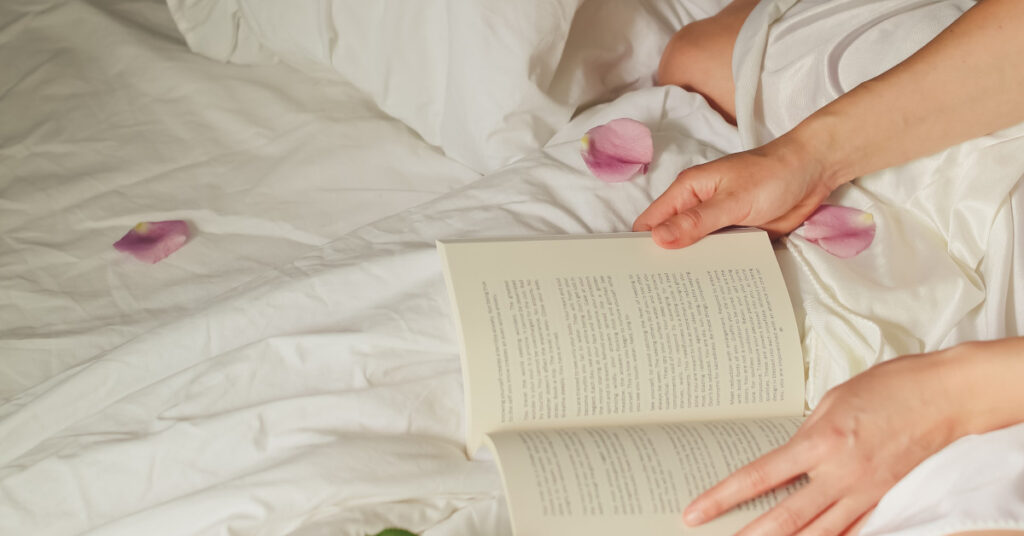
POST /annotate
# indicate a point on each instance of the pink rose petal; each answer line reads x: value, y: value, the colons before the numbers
x: 841, y: 231
x: 610, y: 169
x: 153, y: 241
x: 618, y: 150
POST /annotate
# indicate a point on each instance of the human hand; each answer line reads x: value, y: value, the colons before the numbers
x: 864, y: 437
x: 775, y: 187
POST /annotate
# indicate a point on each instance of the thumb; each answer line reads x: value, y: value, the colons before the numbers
x: 681, y: 195
x: 792, y: 219
x: 697, y: 222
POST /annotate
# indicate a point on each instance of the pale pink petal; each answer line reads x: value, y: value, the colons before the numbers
x: 841, y: 231
x: 626, y: 139
x: 843, y: 247
x: 152, y: 241
x: 618, y: 150
x: 610, y: 169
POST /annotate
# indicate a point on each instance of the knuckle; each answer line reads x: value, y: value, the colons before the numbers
x: 821, y: 448
x: 786, y: 519
x: 687, y: 177
x: 691, y: 219
x: 757, y: 478
x: 705, y: 187
x: 835, y: 437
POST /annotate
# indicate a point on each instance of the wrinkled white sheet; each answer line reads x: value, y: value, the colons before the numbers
x: 108, y: 120
x: 293, y: 369
x: 322, y: 396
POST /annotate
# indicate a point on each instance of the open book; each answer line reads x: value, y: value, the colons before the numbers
x: 615, y: 381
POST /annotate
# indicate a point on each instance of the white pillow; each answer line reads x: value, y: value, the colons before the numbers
x: 469, y: 76
x: 488, y: 81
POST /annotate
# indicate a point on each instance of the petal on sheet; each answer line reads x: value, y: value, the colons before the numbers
x: 841, y: 231
x: 618, y: 150
x: 153, y: 241
x: 610, y: 169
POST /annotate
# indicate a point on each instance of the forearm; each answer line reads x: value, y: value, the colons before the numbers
x: 984, y: 381
x: 967, y: 82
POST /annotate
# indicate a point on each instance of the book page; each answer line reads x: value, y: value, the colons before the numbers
x: 612, y: 329
x: 630, y: 479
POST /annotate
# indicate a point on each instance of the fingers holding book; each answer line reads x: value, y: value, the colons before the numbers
x: 863, y: 438
x: 768, y: 187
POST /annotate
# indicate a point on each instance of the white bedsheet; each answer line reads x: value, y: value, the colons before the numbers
x: 293, y: 369
x: 326, y: 391
x: 108, y: 120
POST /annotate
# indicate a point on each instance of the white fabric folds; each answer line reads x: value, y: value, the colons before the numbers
x: 293, y: 369
x: 947, y: 264
x: 487, y: 81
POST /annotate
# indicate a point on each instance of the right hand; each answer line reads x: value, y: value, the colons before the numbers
x: 870, y: 432
x: 864, y: 436
x: 774, y: 187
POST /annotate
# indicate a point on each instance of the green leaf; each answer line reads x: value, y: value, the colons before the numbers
x: 394, y: 532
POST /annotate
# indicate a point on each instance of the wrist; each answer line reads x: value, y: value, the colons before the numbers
x: 981, y: 382
x: 820, y: 137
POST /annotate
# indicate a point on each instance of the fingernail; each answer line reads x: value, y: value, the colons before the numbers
x: 665, y: 233
x: 693, y: 517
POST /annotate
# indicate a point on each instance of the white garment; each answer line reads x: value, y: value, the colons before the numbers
x: 943, y: 268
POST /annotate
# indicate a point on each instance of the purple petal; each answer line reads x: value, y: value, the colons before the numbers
x: 618, y: 150
x: 841, y: 231
x: 152, y: 241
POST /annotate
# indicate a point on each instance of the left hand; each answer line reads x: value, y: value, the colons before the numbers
x: 864, y: 437
x: 774, y: 187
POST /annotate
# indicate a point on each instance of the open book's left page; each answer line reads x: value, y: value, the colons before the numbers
x: 612, y: 329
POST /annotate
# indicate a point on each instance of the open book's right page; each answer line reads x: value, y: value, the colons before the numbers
x: 630, y: 479
x: 611, y: 329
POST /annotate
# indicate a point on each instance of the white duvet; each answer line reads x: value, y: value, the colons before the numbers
x: 293, y: 369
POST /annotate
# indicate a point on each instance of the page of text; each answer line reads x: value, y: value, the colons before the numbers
x: 630, y: 479
x: 614, y: 330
